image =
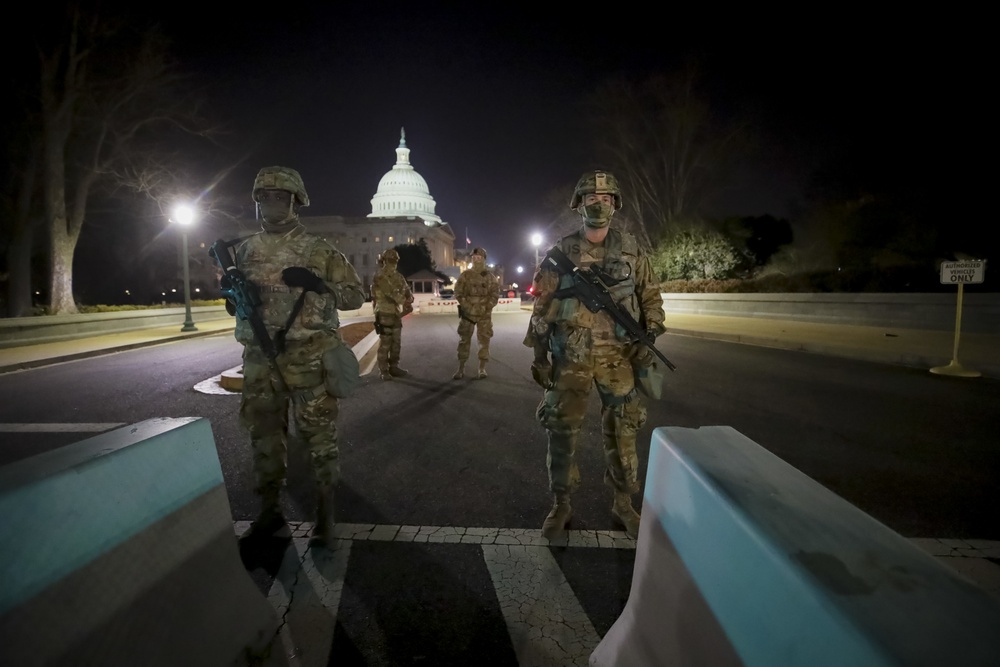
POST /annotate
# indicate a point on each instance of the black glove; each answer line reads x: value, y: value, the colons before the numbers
x: 299, y: 276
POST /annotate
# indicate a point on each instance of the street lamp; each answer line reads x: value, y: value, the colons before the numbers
x: 184, y: 216
x: 536, y: 240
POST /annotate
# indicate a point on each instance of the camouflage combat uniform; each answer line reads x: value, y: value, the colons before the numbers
x: 477, y: 292
x: 392, y: 300
x: 589, y: 348
x: 264, y: 409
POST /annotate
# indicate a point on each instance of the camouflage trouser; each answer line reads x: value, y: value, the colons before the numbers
x: 484, y: 331
x: 264, y: 412
x: 564, y: 407
x: 389, y: 340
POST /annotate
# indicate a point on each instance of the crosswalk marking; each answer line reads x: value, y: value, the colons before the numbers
x: 94, y: 427
x: 602, y: 539
x: 313, y: 580
x: 529, y: 537
x: 546, y: 623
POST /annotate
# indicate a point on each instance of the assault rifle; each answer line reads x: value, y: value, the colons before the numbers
x: 463, y: 316
x: 245, y: 297
x: 591, y: 287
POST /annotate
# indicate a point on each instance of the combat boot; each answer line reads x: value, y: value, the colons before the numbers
x: 554, y: 525
x: 270, y: 520
x: 383, y: 372
x: 482, y: 370
x: 625, y: 514
x: 323, y: 528
x: 397, y: 372
x: 460, y: 373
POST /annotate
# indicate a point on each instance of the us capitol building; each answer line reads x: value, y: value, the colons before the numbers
x: 402, y: 213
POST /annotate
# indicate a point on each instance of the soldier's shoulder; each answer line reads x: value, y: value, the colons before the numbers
x: 572, y: 236
x: 570, y: 239
x: 629, y: 242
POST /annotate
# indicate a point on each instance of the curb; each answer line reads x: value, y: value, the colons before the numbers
x: 907, y: 360
x: 51, y: 361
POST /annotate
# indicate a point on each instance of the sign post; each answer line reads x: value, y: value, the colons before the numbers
x: 971, y: 271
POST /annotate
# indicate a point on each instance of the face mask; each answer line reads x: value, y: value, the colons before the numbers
x: 598, y: 214
x: 276, y: 213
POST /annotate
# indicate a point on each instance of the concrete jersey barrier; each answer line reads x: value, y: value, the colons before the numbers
x: 744, y: 560
x: 119, y: 550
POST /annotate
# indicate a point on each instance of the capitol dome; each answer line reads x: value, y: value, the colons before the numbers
x: 402, y: 192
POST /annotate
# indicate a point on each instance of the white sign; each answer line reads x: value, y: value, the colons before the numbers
x: 970, y: 272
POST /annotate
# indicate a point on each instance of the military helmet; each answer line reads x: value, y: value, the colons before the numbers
x: 479, y: 251
x: 596, y: 183
x: 281, y: 178
x: 390, y: 255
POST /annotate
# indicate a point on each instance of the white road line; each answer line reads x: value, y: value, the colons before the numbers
x: 306, y: 595
x: 362, y: 532
x: 607, y: 539
x: 213, y: 386
x: 59, y: 428
x: 544, y: 618
x: 546, y: 623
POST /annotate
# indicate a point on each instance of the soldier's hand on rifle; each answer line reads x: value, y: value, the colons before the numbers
x: 541, y: 368
x: 299, y: 276
x: 642, y: 356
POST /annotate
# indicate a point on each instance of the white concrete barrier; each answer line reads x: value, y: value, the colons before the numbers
x: 744, y: 560
x: 119, y: 550
x: 451, y: 306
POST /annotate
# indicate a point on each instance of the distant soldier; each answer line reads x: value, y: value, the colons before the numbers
x: 302, y: 281
x: 590, y: 348
x: 392, y: 300
x: 477, y: 292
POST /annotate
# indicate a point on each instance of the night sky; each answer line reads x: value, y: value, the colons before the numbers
x: 494, y: 99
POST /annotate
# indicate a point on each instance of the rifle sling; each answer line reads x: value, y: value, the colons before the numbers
x: 279, y: 337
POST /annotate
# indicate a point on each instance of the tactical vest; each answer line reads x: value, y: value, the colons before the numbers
x: 621, y: 259
x: 478, y: 292
x: 262, y: 258
x: 389, y: 291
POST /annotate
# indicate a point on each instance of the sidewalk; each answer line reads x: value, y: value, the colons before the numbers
x: 907, y: 347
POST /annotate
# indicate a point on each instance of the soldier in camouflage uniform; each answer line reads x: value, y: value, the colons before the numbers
x: 590, y: 349
x: 391, y: 301
x: 288, y: 263
x: 477, y: 292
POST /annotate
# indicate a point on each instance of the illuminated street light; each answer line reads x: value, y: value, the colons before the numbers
x: 520, y: 269
x: 184, y: 216
x: 536, y: 240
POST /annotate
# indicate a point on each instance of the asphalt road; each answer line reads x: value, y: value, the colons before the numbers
x: 916, y: 451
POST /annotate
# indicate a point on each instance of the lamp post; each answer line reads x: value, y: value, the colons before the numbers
x: 536, y: 240
x: 184, y: 216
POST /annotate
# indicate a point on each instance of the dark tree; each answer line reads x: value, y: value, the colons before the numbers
x: 416, y: 257
x: 107, y: 100
x: 757, y: 238
x: 667, y: 147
